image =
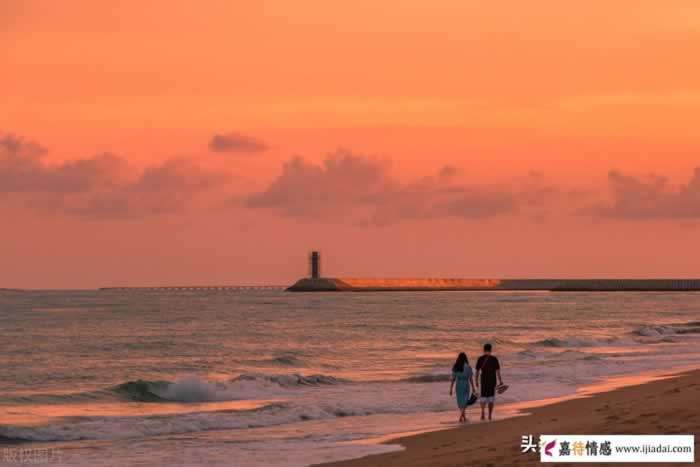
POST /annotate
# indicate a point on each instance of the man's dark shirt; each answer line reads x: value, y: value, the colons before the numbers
x: 488, y: 364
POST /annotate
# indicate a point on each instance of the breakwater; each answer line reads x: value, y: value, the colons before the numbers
x: 195, y: 288
x: 555, y: 285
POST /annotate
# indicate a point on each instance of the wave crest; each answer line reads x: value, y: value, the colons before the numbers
x: 141, y: 390
x: 193, y: 388
x: 654, y: 331
x: 288, y: 381
x: 566, y: 342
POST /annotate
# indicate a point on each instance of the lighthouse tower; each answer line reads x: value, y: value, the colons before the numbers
x: 315, y: 265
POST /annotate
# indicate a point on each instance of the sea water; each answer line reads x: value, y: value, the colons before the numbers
x: 269, y: 378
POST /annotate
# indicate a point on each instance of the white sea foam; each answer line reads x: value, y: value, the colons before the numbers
x: 191, y: 388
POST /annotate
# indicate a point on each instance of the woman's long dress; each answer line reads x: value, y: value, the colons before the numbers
x: 462, y: 385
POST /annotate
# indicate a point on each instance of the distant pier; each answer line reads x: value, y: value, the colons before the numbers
x: 552, y: 285
x: 199, y: 287
x: 316, y: 283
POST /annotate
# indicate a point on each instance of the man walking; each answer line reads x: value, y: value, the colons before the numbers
x: 488, y: 367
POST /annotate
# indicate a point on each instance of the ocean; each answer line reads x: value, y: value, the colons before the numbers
x: 270, y: 378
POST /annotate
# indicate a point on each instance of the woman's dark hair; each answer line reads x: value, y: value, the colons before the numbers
x: 460, y: 362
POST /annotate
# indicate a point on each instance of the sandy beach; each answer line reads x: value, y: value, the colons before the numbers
x: 662, y: 406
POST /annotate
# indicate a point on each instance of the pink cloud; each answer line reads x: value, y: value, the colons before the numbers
x: 361, y: 189
x: 100, y: 186
x: 650, y: 197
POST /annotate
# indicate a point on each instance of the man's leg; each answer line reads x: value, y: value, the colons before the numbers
x: 483, y: 406
x: 490, y: 409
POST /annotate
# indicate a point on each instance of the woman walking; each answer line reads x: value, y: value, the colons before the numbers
x: 462, y: 374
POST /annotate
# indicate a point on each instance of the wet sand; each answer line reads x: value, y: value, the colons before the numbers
x: 663, y: 406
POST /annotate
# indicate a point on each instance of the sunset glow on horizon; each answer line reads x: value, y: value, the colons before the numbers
x: 217, y: 142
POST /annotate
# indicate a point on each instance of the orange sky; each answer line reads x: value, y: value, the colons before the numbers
x: 455, y: 138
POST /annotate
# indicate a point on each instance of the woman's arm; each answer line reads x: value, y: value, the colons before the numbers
x: 452, y: 383
x: 471, y: 383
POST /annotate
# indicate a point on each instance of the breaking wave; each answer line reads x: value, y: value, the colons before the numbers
x: 190, y: 388
x: 141, y: 390
x: 288, y: 381
x: 654, y: 331
x: 566, y: 342
x: 196, y: 389
x: 640, y: 335
x: 692, y: 327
